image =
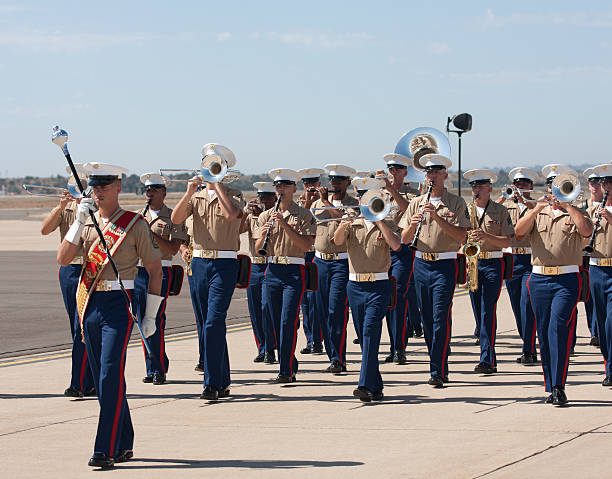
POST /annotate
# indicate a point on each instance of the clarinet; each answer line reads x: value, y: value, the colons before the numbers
x: 413, y: 243
x: 263, y: 251
x: 588, y: 249
x: 146, y: 208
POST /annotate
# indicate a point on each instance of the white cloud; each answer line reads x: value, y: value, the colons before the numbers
x: 321, y: 40
x: 574, y: 19
x: 223, y: 36
x: 438, y: 48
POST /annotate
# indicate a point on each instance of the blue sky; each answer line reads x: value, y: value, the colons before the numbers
x: 145, y: 84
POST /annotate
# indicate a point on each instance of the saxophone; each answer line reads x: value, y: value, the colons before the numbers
x: 189, y: 258
x: 471, y: 250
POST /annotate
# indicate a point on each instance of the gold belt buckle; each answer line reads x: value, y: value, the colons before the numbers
x: 209, y: 253
x: 520, y: 251
x: 365, y: 277
x: 329, y: 256
x: 551, y: 270
x: 605, y: 262
x: 103, y: 285
x: 429, y: 256
x: 282, y: 260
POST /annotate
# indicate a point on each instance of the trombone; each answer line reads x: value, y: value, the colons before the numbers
x: 57, y: 192
x: 372, y: 207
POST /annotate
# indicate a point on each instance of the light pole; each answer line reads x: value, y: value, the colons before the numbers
x: 463, y: 123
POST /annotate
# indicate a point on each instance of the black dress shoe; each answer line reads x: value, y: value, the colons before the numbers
x: 389, y: 359
x: 223, y: 393
x: 594, y: 341
x: 399, y: 357
x: 306, y: 350
x: 531, y: 359
x: 356, y: 341
x: 101, y: 460
x: 607, y: 381
x: 558, y: 396
x: 159, y: 378
x: 285, y: 378
x: 377, y: 396
x: 199, y: 368
x: 344, y: 368
x: 147, y: 379
x: 211, y: 393
x: 73, y: 393
x: 549, y: 399
x: 89, y: 392
x: 259, y: 358
x: 436, y: 381
x: 418, y: 333
x: 484, y: 368
x: 445, y: 379
x: 270, y: 357
x: 335, y: 367
x: 124, y: 455
x: 317, y: 348
x: 363, y: 394
x: 477, y: 342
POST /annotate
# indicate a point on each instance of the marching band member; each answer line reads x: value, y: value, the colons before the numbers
x: 290, y: 230
x: 368, y: 287
x: 101, y: 305
x: 493, y: 233
x: 596, y: 190
x: 401, y: 260
x: 601, y: 269
x: 414, y: 328
x: 62, y: 216
x: 168, y: 237
x: 556, y: 233
x: 186, y: 250
x: 313, y: 327
x: 263, y: 330
x: 522, y: 178
x: 332, y: 266
x: 445, y: 223
x: 216, y: 213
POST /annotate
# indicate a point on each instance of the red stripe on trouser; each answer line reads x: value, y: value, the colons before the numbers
x: 121, y: 382
x: 83, y: 369
x: 494, y: 329
x: 343, y: 337
x: 535, y: 322
x: 570, y: 336
x: 297, y: 318
x: 448, y: 327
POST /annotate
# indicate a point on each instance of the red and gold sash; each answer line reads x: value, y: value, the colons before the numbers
x: 114, y: 233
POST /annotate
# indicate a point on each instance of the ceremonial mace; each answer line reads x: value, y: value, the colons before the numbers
x: 60, y: 138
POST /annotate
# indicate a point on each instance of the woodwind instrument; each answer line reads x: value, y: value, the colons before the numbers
x: 471, y: 249
x: 590, y: 247
x: 263, y: 251
x: 413, y: 243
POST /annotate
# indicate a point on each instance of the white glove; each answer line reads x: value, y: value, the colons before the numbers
x: 74, y: 233
x: 147, y: 326
x: 148, y: 322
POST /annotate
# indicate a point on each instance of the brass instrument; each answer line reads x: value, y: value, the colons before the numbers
x: 189, y: 258
x: 373, y: 206
x: 471, y: 249
x: 565, y: 188
x: 56, y: 192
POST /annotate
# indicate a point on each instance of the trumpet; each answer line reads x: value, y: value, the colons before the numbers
x: 228, y: 177
x: 57, y: 192
x: 565, y: 188
x: 372, y: 207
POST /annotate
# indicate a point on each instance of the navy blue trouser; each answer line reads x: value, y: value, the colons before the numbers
x: 107, y: 326
x: 198, y: 319
x: 332, y: 306
x: 413, y: 316
x: 401, y: 270
x: 369, y: 302
x: 519, y: 301
x: 159, y: 363
x: 214, y: 282
x: 601, y: 292
x: 588, y: 309
x: 80, y: 376
x: 282, y: 292
x: 435, y: 286
x: 313, y: 322
x: 484, y: 305
x: 262, y: 328
x: 554, y: 300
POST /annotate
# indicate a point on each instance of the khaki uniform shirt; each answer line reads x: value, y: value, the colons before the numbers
x: 162, y: 226
x: 367, y: 249
x: 325, y: 231
x: 210, y: 228
x: 555, y: 241
x: 189, y: 230
x: 395, y: 215
x: 67, y: 217
x: 432, y: 239
x: 251, y: 225
x: 602, y: 247
x: 496, y: 222
x: 138, y: 244
x: 514, y: 210
x: 300, y: 219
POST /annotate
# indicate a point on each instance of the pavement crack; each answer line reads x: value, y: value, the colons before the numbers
x: 542, y: 451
